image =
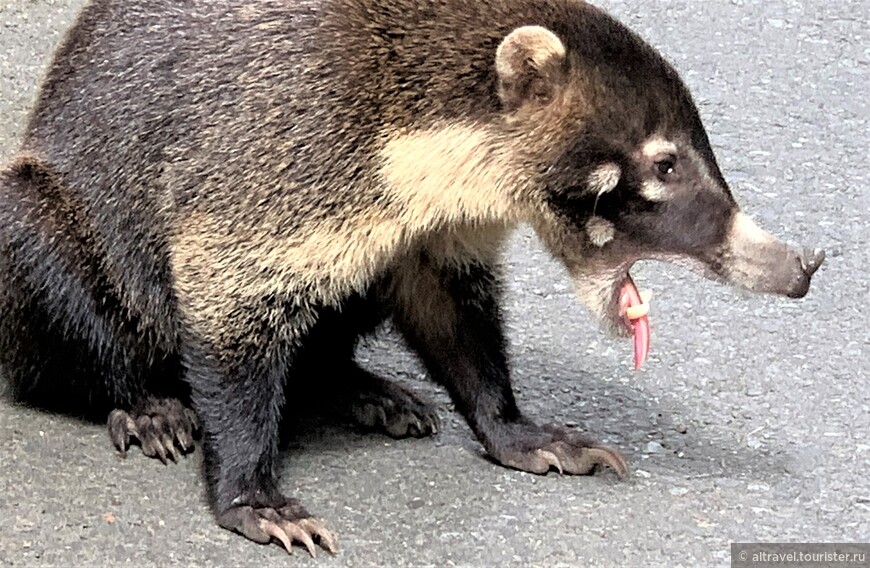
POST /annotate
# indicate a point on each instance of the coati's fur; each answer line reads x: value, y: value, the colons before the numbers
x: 212, y: 197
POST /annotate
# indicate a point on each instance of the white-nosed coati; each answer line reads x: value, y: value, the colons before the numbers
x: 213, y: 197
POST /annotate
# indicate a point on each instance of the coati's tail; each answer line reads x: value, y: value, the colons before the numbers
x: 66, y: 344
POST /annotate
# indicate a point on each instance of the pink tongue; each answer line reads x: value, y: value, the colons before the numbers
x: 629, y: 296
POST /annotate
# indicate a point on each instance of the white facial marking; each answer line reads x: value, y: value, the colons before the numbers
x: 654, y: 190
x: 600, y: 231
x: 604, y: 178
x: 752, y: 254
x: 744, y: 229
x: 657, y: 146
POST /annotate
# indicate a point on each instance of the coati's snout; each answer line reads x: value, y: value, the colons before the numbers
x: 754, y: 259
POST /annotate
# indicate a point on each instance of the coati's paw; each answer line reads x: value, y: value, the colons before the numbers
x: 537, y: 450
x: 288, y: 524
x: 163, y: 426
x: 394, y: 410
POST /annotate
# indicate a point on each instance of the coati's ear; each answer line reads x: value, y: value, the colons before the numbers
x: 529, y: 63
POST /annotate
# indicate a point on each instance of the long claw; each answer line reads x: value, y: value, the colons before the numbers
x: 122, y: 443
x: 315, y: 527
x: 296, y: 531
x: 121, y: 426
x: 161, y: 452
x: 192, y: 418
x: 184, y: 437
x: 164, y: 429
x: 550, y: 458
x: 132, y: 429
x: 169, y: 444
x: 275, y: 531
x: 610, y: 458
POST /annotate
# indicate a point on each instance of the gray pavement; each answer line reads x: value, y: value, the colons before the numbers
x: 751, y: 421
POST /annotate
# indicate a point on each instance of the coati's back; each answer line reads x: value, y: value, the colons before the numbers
x: 148, y: 99
x: 154, y: 108
x: 150, y: 104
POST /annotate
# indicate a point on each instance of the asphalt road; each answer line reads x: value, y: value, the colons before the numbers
x: 751, y: 421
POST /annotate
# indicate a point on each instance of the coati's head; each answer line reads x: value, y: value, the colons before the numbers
x: 625, y: 168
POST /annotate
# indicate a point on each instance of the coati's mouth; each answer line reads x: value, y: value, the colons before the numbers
x: 632, y: 313
x: 610, y: 293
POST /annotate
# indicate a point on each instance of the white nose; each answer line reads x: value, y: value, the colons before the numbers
x: 759, y: 261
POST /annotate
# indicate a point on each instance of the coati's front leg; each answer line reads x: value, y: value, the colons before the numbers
x: 237, y: 357
x: 450, y: 316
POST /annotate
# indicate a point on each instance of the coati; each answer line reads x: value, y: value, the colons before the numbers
x: 214, y: 200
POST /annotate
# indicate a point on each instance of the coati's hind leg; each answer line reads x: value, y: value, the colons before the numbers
x: 163, y: 427
x: 339, y: 386
x: 67, y: 342
x: 451, y: 318
x: 375, y: 403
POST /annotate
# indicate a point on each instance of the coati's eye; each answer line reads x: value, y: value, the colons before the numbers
x: 665, y: 167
